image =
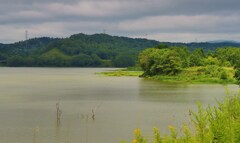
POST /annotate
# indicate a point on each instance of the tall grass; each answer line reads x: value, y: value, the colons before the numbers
x: 217, y: 124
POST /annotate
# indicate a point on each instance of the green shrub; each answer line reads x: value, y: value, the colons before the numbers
x: 217, y: 124
x: 224, y: 75
x: 237, y: 75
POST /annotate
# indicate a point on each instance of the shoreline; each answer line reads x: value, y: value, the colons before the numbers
x: 186, y: 77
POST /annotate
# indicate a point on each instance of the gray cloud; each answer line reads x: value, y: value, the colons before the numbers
x: 121, y: 17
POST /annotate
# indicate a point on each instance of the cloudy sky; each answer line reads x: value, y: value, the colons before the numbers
x: 162, y: 20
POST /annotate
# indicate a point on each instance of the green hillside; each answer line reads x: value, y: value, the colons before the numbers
x: 81, y: 50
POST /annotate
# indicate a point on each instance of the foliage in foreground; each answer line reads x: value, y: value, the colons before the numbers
x: 218, y: 124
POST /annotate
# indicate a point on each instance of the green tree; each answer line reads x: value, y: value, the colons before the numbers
x: 237, y: 75
x: 224, y: 75
x: 29, y: 61
x: 148, y: 58
x: 214, y: 71
x: 196, y: 58
x: 228, y: 55
x: 162, y: 46
x: 170, y: 63
x: 184, y: 54
x: 96, y: 60
x: 53, y: 57
x: 210, y: 61
x: 124, y: 60
x: 81, y: 60
x: 2, y: 57
x: 15, y: 61
x: 160, y: 62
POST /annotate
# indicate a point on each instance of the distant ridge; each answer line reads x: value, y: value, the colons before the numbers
x: 212, y: 46
x: 223, y: 41
x: 105, y: 38
x: 95, y: 37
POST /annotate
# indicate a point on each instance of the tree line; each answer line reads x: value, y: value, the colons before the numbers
x: 165, y: 60
x: 81, y: 50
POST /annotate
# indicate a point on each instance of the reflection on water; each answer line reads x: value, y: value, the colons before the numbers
x: 172, y: 92
x: 120, y: 104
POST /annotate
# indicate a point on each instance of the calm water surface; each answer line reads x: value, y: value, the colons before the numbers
x: 28, y: 98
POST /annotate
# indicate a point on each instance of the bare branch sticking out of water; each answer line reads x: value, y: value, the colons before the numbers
x: 36, y: 135
x: 95, y: 110
x: 59, y: 113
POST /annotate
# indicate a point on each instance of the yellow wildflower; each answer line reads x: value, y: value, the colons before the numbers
x: 170, y: 127
x: 155, y: 129
x: 137, y: 132
x: 134, y: 141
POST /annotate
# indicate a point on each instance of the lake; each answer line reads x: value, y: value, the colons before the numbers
x: 28, y: 98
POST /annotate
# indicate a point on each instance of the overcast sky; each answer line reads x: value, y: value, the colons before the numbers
x: 162, y: 20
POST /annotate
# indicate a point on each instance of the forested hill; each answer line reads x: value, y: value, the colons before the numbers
x: 81, y: 50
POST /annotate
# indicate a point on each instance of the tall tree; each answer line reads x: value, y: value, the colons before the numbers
x: 196, y: 58
x: 160, y: 62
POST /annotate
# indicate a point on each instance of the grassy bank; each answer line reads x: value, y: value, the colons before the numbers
x: 218, y: 124
x: 132, y: 71
x: 193, y: 75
